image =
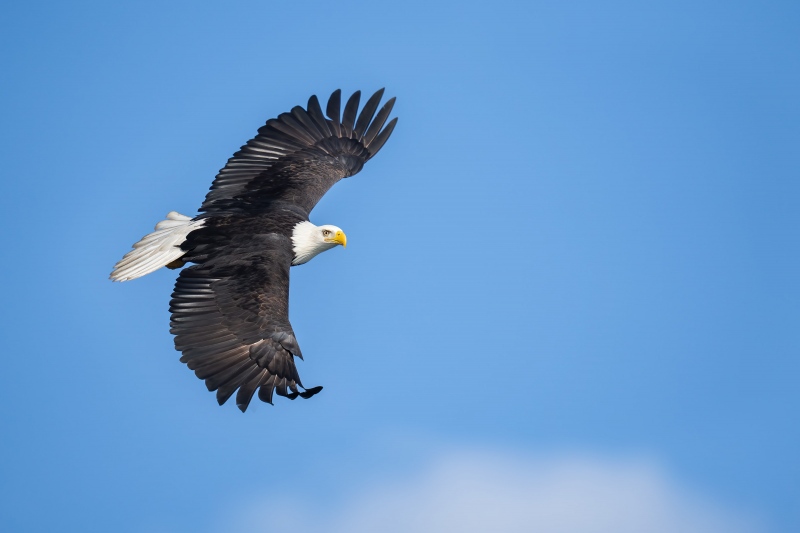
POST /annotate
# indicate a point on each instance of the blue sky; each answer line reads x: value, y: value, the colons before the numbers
x: 572, y: 271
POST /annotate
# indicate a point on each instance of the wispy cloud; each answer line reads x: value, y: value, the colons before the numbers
x: 482, y: 492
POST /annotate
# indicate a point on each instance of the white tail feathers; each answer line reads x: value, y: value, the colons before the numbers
x: 157, y: 249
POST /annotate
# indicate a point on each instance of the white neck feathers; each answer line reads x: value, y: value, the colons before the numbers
x: 307, y: 242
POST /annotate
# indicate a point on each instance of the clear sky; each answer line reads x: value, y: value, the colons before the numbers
x: 569, y: 301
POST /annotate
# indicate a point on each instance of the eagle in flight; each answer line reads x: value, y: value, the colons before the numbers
x: 230, y: 309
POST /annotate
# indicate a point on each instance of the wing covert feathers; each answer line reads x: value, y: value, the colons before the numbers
x: 299, y: 155
x: 230, y: 321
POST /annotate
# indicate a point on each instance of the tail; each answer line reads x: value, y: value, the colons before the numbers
x: 158, y: 249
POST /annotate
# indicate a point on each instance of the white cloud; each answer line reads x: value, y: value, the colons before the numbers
x: 488, y: 492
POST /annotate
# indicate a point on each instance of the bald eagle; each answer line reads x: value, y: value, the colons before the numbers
x: 230, y: 309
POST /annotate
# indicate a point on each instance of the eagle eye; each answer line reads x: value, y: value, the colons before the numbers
x: 326, y: 232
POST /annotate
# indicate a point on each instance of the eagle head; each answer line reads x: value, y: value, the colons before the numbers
x: 309, y: 240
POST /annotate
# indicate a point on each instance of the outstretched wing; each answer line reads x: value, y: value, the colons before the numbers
x: 230, y: 317
x: 298, y: 156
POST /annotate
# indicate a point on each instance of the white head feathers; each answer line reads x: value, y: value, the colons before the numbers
x: 309, y: 240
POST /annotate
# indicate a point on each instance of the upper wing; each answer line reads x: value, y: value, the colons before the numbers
x: 298, y: 156
x: 230, y: 316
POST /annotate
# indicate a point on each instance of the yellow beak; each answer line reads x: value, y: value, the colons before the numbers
x: 340, y: 238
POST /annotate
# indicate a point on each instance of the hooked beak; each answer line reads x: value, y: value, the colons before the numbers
x: 340, y: 238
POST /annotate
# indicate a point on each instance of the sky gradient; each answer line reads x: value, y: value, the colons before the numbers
x: 572, y: 270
